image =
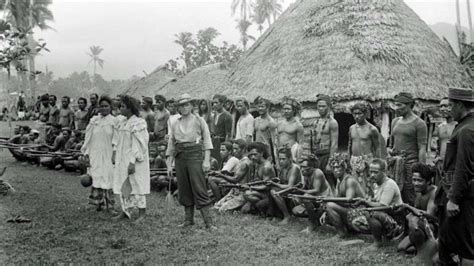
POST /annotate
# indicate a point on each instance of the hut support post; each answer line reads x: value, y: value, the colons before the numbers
x: 385, y: 126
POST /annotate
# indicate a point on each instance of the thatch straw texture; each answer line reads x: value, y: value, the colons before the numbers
x: 201, y: 83
x: 349, y: 49
x: 151, y: 84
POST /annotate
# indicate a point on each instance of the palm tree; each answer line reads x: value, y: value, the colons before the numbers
x: 95, y: 50
x: 243, y: 6
x: 258, y: 16
x: 24, y: 16
x: 185, y: 40
x: 243, y: 26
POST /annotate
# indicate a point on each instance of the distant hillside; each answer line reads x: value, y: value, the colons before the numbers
x: 448, y: 31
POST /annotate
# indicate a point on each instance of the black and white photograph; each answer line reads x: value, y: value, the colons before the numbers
x: 237, y: 132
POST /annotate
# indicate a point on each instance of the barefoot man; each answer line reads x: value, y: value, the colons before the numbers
x: 363, y: 146
x: 290, y: 130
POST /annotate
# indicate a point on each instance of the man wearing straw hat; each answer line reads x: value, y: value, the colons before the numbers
x: 190, y: 141
x: 457, y: 230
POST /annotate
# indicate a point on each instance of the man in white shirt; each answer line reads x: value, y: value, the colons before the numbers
x: 245, y: 124
x: 229, y: 167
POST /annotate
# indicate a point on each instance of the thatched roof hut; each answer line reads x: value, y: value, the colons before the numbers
x: 365, y: 49
x: 152, y: 83
x: 201, y: 83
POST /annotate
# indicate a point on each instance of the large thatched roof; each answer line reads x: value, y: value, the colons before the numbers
x: 151, y: 84
x: 350, y: 49
x: 202, y: 82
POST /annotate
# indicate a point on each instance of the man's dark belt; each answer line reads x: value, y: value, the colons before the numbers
x: 187, y: 144
x: 322, y: 152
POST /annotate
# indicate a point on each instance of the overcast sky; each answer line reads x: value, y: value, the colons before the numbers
x: 138, y: 35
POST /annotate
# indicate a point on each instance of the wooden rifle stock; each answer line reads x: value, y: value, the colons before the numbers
x: 322, y: 199
x: 289, y: 189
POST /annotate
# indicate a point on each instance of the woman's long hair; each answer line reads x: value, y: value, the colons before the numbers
x: 132, y: 104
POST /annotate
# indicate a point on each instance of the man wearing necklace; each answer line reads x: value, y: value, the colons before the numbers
x: 325, y: 135
x: 409, y: 134
x: 363, y: 145
x: 290, y: 130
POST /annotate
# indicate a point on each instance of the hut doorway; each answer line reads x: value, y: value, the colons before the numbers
x: 345, y: 121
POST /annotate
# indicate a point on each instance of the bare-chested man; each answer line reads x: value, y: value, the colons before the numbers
x: 161, y: 118
x: 257, y: 198
x: 290, y: 175
x: 266, y: 128
x: 347, y: 187
x: 325, y: 135
x: 363, y: 145
x: 442, y: 134
x: 290, y: 130
x: 421, y: 238
x: 80, y: 117
x: 66, y: 114
x: 148, y: 115
x: 314, y: 184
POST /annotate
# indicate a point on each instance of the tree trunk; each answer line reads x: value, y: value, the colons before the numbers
x: 31, y: 66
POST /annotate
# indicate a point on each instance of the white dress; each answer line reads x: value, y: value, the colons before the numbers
x: 98, y: 145
x: 131, y: 144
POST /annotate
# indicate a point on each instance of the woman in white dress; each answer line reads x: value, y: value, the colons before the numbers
x: 132, y: 164
x: 98, y: 150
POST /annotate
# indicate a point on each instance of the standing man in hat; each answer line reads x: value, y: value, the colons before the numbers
x: 457, y: 231
x: 409, y: 135
x: 190, y: 141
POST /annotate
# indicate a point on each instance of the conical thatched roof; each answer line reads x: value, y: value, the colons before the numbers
x: 350, y: 49
x: 152, y: 83
x: 202, y: 82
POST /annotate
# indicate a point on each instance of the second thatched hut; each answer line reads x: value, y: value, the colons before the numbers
x: 351, y: 50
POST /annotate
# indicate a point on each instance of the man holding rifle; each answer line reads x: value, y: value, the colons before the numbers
x: 290, y: 178
x: 234, y: 199
x: 366, y: 220
x: 314, y: 184
x: 256, y: 197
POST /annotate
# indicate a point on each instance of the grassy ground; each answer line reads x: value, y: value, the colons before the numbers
x: 65, y: 230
